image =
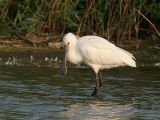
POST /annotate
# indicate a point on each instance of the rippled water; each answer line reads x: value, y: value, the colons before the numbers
x: 34, y: 90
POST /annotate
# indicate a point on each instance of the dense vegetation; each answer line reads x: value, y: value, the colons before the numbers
x: 118, y: 20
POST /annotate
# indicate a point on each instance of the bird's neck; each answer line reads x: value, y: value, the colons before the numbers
x: 74, y: 56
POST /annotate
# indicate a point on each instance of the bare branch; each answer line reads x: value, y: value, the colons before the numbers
x: 149, y: 22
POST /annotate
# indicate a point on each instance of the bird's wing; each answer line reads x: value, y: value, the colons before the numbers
x: 97, y: 50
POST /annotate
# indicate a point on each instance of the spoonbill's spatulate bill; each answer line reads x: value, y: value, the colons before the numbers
x: 96, y: 52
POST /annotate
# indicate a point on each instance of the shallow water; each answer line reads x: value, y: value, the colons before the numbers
x: 32, y: 89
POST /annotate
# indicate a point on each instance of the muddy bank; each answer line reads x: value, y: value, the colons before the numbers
x: 51, y: 41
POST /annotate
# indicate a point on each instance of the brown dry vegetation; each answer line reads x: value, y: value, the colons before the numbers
x: 41, y: 22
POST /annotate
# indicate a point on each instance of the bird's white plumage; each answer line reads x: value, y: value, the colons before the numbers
x: 96, y: 52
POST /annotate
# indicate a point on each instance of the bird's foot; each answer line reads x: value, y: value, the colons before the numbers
x: 95, y: 93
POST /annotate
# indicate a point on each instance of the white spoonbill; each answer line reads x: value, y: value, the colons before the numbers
x: 96, y: 52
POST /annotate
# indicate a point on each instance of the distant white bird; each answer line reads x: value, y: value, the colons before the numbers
x: 96, y: 52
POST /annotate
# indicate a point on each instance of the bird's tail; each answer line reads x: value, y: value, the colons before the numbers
x: 128, y: 58
x: 132, y: 63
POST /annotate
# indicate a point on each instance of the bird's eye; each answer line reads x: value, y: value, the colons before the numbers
x: 68, y: 43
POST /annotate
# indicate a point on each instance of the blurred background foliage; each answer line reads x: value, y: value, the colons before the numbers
x: 116, y: 20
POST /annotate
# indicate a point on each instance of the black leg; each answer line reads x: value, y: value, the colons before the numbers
x: 96, y: 90
x: 100, y: 79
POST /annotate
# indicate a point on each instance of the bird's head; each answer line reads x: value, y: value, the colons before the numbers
x: 69, y: 41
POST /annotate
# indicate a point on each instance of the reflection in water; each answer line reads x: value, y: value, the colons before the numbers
x: 43, y: 61
x: 94, y: 110
x: 30, y: 61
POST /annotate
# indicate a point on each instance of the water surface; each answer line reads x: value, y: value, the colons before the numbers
x: 32, y: 89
